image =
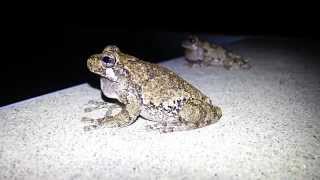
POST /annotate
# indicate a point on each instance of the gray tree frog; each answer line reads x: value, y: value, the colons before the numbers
x: 151, y: 91
x: 210, y: 54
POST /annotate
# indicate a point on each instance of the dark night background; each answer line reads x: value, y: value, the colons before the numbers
x: 45, y: 56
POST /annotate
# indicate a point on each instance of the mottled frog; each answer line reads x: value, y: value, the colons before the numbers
x: 210, y: 54
x: 151, y: 91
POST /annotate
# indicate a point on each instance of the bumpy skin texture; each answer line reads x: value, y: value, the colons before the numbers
x: 209, y: 54
x: 151, y: 91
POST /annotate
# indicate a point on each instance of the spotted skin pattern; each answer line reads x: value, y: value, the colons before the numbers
x: 150, y: 91
x: 210, y: 54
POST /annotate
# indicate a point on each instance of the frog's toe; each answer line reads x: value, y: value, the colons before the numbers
x: 92, y: 123
x: 163, y: 127
x: 89, y: 109
x: 246, y: 66
x: 86, y: 119
x: 91, y: 102
x: 90, y: 127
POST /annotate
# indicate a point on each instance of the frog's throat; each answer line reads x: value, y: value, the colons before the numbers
x: 110, y: 75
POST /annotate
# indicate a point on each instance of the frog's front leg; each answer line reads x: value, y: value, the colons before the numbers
x: 95, y: 105
x: 125, y: 117
x: 191, y: 63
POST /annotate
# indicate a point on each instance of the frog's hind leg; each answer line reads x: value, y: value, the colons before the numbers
x: 197, y: 114
x: 194, y: 114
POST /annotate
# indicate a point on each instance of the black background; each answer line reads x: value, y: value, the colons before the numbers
x: 42, y: 55
x: 45, y: 58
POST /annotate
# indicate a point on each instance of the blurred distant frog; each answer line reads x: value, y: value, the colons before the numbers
x: 209, y: 54
x: 150, y: 91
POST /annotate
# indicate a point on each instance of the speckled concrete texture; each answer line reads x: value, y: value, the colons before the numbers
x: 269, y: 128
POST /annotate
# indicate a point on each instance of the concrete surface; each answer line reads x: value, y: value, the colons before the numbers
x: 269, y: 129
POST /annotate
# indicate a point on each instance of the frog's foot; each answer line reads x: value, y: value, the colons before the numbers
x: 210, y: 64
x: 190, y: 63
x: 124, y: 118
x: 98, y: 105
x: 245, y: 65
x: 160, y: 127
x: 164, y: 127
x: 96, y: 123
x: 95, y: 102
x: 228, y: 67
x: 106, y: 122
x: 95, y: 105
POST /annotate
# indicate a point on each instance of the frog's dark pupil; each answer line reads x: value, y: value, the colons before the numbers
x: 107, y: 60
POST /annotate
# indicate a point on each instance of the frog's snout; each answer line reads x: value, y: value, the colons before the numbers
x: 93, y: 63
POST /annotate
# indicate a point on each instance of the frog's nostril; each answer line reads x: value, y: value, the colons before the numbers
x: 90, y: 63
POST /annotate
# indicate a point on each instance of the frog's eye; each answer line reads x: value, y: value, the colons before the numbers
x: 108, y: 61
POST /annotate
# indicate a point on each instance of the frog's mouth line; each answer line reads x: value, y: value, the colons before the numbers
x: 113, y: 81
x: 110, y: 80
x: 186, y: 45
x: 190, y: 47
x: 103, y: 75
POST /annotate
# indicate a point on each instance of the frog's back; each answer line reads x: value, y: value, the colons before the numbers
x: 161, y: 85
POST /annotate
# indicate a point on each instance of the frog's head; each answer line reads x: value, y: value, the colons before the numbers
x: 191, y: 43
x: 103, y: 64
